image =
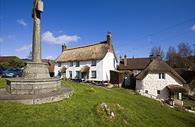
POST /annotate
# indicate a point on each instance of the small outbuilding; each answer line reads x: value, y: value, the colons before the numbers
x: 159, y: 81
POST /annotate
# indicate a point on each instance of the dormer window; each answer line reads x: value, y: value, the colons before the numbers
x: 93, y: 63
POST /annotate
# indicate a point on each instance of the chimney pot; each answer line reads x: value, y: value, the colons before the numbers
x: 109, y: 40
x: 64, y: 47
x: 158, y: 57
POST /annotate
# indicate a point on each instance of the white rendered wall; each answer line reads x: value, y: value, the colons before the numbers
x: 152, y: 83
x: 98, y: 68
x: 102, y: 68
x: 109, y: 63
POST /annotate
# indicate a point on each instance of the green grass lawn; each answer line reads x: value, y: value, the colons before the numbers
x: 189, y: 102
x: 2, y: 83
x: 81, y: 110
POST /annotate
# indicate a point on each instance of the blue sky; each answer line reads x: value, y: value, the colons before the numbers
x: 136, y: 25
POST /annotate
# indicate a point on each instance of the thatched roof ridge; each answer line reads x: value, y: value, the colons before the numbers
x: 158, y: 66
x: 89, y: 52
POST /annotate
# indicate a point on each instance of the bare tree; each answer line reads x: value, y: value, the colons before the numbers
x: 172, y: 57
x: 157, y: 51
x: 184, y: 50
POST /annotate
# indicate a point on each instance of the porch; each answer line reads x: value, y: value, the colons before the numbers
x: 175, y: 95
x: 85, y: 73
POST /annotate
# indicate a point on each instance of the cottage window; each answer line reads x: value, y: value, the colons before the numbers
x: 158, y: 91
x: 71, y: 63
x: 77, y: 63
x: 77, y: 74
x: 93, y: 74
x: 161, y: 75
x: 59, y: 64
x: 93, y: 63
x: 146, y: 91
x: 70, y: 73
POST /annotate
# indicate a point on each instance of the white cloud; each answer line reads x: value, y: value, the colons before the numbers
x: 193, y: 28
x: 21, y: 22
x: 50, y: 38
x: 1, y: 40
x: 49, y: 57
x: 24, y: 48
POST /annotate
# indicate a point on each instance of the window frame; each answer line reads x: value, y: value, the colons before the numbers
x: 161, y: 75
x: 92, y: 64
x: 78, y: 73
x: 71, y: 63
x: 77, y: 63
x: 94, y: 76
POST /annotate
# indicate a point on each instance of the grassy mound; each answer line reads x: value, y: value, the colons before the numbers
x: 82, y: 110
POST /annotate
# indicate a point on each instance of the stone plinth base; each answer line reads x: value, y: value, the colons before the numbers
x: 34, y: 87
x: 36, y: 71
x: 64, y: 92
x: 21, y: 86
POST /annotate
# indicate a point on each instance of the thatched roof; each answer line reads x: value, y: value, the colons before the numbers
x: 158, y: 66
x: 134, y: 64
x: 63, y: 69
x: 90, y: 52
x: 176, y: 88
x: 85, y: 69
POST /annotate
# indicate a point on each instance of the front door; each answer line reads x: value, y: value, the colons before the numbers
x: 84, y: 75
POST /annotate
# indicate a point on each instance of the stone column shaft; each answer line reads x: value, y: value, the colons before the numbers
x: 36, y: 51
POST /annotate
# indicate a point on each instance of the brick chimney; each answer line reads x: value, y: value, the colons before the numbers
x: 109, y: 40
x: 125, y: 60
x: 158, y: 57
x: 152, y: 57
x: 64, y: 47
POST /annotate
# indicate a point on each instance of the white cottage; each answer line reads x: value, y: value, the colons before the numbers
x: 158, y: 80
x: 90, y: 63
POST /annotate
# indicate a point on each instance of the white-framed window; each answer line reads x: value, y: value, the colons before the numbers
x: 93, y: 74
x: 77, y: 63
x: 71, y: 63
x: 161, y: 75
x: 70, y: 74
x: 146, y: 91
x: 77, y: 74
x: 93, y: 63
